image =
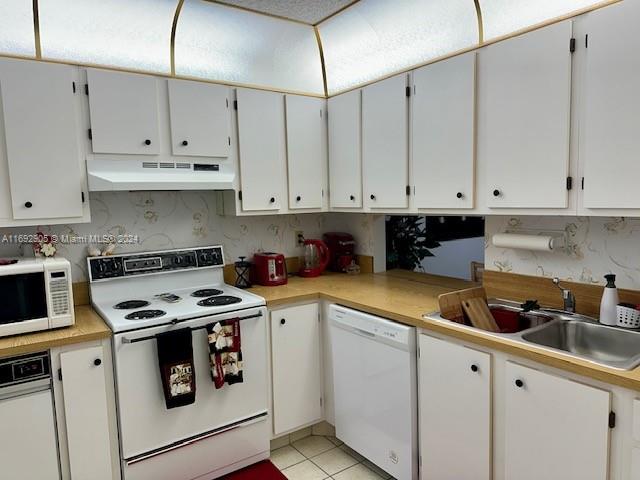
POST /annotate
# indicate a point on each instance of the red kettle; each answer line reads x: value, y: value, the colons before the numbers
x: 315, y: 258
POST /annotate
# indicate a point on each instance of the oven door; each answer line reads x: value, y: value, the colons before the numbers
x: 24, y: 303
x: 146, y: 425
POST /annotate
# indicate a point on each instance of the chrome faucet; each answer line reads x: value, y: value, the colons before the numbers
x: 567, y: 296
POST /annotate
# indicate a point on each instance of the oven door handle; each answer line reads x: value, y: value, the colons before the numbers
x: 175, y: 321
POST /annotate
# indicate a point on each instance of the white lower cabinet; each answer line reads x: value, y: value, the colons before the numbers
x: 455, y: 411
x: 296, y: 367
x: 85, y: 412
x: 635, y: 464
x: 555, y: 428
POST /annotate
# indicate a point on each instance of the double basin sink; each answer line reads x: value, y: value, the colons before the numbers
x: 573, y: 334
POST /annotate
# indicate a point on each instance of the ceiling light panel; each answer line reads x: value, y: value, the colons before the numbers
x: 502, y: 17
x: 374, y: 38
x: 308, y: 11
x: 118, y: 33
x: 226, y: 44
x: 16, y: 28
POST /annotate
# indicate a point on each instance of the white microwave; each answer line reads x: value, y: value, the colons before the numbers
x: 35, y: 294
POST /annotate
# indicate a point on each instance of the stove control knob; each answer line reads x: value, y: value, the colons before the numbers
x: 177, y: 259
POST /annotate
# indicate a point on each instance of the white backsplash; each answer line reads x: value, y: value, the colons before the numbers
x: 596, y: 246
x: 166, y: 220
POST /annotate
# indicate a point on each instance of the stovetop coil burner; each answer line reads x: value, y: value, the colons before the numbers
x: 219, y: 301
x: 131, y: 304
x: 145, y: 314
x: 206, y: 292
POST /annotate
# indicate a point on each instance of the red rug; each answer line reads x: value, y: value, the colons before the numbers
x: 264, y: 470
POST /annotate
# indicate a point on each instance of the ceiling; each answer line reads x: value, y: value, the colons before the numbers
x: 307, y: 11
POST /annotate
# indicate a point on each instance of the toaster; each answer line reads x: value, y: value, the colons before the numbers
x: 269, y: 269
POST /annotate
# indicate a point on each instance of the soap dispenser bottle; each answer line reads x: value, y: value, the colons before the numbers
x: 608, y: 312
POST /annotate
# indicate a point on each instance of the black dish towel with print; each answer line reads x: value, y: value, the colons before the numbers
x: 175, y: 357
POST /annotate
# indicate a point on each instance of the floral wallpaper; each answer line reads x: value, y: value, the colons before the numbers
x: 596, y: 246
x: 166, y: 220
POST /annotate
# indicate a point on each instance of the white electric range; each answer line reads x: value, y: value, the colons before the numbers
x: 144, y: 294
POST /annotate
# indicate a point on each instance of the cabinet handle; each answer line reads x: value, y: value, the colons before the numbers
x: 352, y: 198
x: 185, y: 143
x: 272, y: 200
x: 496, y: 193
x: 97, y: 362
x: 459, y: 195
x: 519, y: 383
x: 147, y: 142
x: 298, y: 198
x: 372, y: 197
x: 28, y: 204
x: 474, y: 368
x: 282, y: 321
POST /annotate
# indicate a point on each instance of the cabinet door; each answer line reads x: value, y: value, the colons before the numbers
x: 384, y: 143
x: 306, y: 151
x: 345, y: 154
x: 455, y: 411
x: 262, y: 149
x: 611, y: 131
x: 29, y: 444
x: 199, y: 114
x: 524, y: 98
x: 295, y: 354
x: 124, y: 113
x: 442, y: 133
x: 42, y: 144
x: 85, y: 408
x: 555, y: 428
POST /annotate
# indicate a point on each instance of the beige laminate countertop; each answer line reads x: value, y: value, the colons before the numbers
x: 89, y: 326
x: 406, y: 296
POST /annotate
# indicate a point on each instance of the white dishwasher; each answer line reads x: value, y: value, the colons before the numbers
x: 28, y: 442
x: 375, y: 389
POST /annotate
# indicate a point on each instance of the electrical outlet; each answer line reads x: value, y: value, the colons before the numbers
x: 299, y: 237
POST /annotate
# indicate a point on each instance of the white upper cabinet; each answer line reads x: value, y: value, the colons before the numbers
x: 124, y: 113
x: 455, y: 411
x: 200, y: 119
x: 44, y: 164
x: 555, y: 428
x: 524, y: 100
x: 610, y: 130
x: 306, y: 151
x: 442, y: 133
x: 262, y: 150
x: 345, y: 153
x: 385, y: 144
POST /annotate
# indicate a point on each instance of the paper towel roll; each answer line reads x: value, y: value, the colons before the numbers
x: 539, y: 243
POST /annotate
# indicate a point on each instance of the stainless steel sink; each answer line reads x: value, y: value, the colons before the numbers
x: 573, y: 334
x: 610, y: 346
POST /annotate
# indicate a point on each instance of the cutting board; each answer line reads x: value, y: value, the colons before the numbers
x: 479, y: 314
x: 451, y: 303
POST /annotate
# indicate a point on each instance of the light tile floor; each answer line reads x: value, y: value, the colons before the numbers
x: 317, y: 457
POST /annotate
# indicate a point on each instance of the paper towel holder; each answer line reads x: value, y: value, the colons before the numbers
x: 558, y: 238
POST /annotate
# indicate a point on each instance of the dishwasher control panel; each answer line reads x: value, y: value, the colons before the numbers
x: 24, y: 368
x: 371, y: 325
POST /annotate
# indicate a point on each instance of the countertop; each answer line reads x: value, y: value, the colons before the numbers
x: 88, y: 327
x: 406, y: 296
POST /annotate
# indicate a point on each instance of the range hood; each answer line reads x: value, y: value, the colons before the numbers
x: 112, y: 175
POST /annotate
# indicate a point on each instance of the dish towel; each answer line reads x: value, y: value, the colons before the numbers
x: 225, y: 352
x: 175, y: 357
